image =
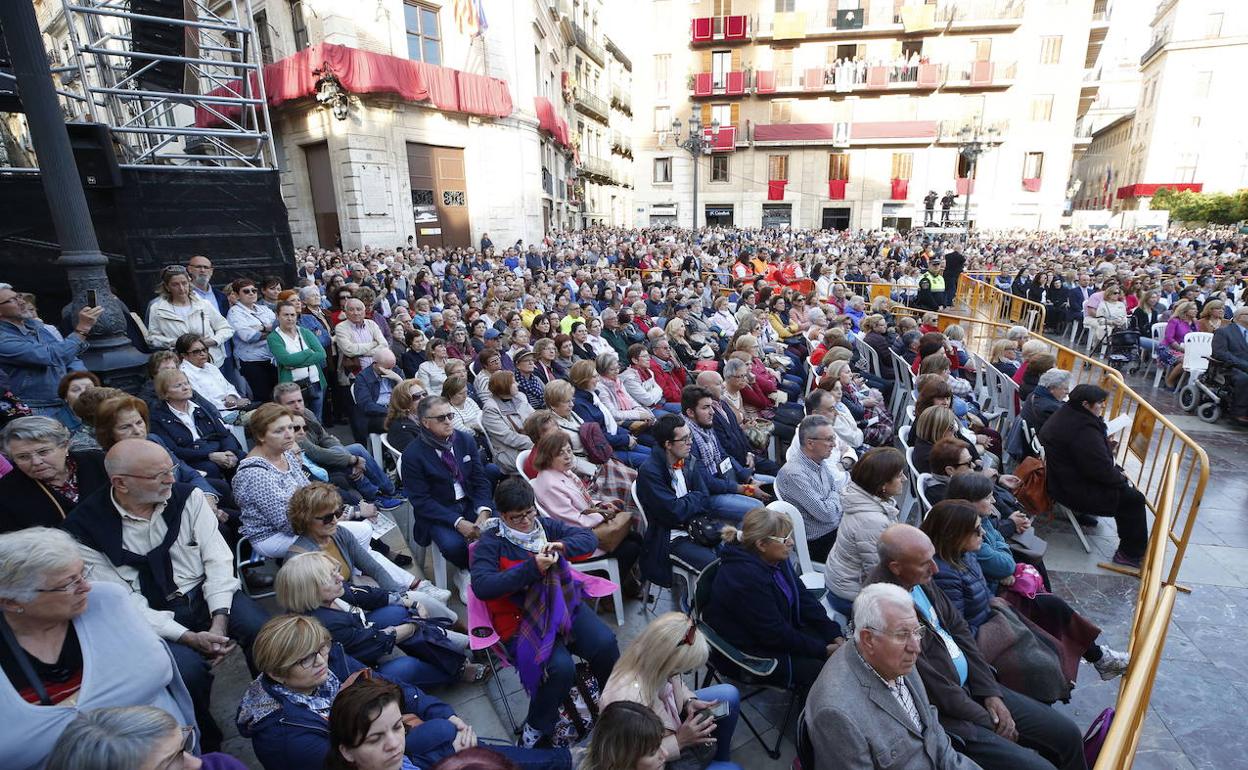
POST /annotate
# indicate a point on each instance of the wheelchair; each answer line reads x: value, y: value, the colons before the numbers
x: 1210, y: 394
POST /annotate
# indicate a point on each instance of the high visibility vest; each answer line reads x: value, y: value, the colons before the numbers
x: 935, y: 280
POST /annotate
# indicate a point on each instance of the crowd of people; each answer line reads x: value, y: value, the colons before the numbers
x: 684, y: 403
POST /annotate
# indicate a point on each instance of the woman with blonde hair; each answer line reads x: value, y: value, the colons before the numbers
x: 935, y: 423
x: 759, y: 605
x: 177, y: 310
x: 402, y: 425
x: 1212, y: 316
x: 465, y: 414
x: 1004, y: 356
x: 682, y: 348
x: 649, y: 673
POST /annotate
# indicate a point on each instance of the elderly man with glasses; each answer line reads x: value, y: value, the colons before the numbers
x: 159, y: 540
x: 32, y: 357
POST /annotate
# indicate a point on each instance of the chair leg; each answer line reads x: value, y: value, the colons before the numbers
x: 1074, y: 522
x: 617, y: 598
x: 511, y: 719
x: 774, y: 751
x: 439, y: 567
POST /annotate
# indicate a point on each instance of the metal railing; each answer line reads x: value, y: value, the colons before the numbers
x: 596, y: 167
x: 997, y: 305
x: 622, y: 97
x: 591, y: 104
x: 589, y: 45
x: 979, y: 10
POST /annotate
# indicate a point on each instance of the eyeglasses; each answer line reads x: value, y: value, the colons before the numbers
x: 188, y: 747
x: 72, y: 585
x: 308, y: 661
x: 445, y: 417
x: 330, y: 518
x: 786, y: 540
x: 248, y: 290
x: 682, y: 439
x: 902, y: 636
x: 197, y: 352
x: 518, y: 516
x: 41, y: 454
x: 166, y: 473
x: 299, y: 428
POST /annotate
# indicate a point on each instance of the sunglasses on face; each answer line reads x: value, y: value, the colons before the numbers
x: 330, y: 518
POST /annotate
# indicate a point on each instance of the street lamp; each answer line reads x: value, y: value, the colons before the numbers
x: 974, y: 141
x: 696, y: 144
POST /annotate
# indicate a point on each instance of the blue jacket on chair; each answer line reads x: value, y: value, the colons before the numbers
x: 583, y: 404
x: 429, y: 487
x: 213, y: 435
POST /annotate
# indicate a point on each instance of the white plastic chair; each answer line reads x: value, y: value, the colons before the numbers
x: 1157, y: 333
x: 522, y: 460
x: 389, y: 449
x: 925, y: 480
x: 811, y: 574
x: 375, y: 448
x: 1197, y: 347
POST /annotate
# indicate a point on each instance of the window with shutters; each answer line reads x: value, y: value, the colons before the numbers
x: 981, y: 49
x: 662, y: 119
x: 662, y: 170
x: 782, y: 63
x: 721, y: 63
x: 903, y: 165
x: 838, y: 166
x: 719, y: 168
x: 778, y: 167
x: 722, y: 113
x: 661, y: 63
x: 785, y: 6
x: 1042, y: 108
x: 1033, y: 165
x: 298, y: 25
x: 721, y: 8
x: 1050, y: 49
x: 262, y: 35
x: 781, y: 111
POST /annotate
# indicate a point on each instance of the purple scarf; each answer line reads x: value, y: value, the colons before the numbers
x: 549, y: 606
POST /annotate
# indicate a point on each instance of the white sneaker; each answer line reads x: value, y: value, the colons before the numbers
x: 461, y: 584
x: 427, y: 588
x: 1112, y: 663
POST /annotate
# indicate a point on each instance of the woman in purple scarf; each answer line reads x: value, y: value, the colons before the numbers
x: 520, y: 571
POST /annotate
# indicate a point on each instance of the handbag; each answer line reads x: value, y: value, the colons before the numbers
x: 594, y: 441
x: 579, y: 710
x: 430, y: 644
x: 704, y: 531
x: 1032, y: 491
x: 1094, y: 738
x: 612, y: 531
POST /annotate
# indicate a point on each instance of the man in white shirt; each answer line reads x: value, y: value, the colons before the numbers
x: 160, y: 540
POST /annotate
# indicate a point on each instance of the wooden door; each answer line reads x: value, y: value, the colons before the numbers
x: 439, y: 195
x: 324, y: 203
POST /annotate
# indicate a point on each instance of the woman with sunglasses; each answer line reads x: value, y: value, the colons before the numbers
x: 758, y: 603
x: 651, y: 672
x: 252, y: 321
x: 126, y: 737
x: 177, y: 310
x: 206, y: 378
x: 71, y: 645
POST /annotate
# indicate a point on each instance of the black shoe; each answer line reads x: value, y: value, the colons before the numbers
x: 1086, y: 520
x: 258, y: 582
x: 402, y: 559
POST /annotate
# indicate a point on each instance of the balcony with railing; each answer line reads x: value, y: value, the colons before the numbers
x: 956, y: 15
x: 548, y: 182
x: 719, y: 84
x: 586, y: 43
x: 719, y: 29
x: 621, y: 144
x: 622, y: 98
x: 596, y: 170
x: 864, y: 78
x: 591, y: 105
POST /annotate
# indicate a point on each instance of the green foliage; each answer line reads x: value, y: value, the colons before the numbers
x: 1213, y: 208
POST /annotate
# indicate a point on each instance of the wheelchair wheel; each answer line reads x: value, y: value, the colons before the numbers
x: 1189, y: 398
x: 1209, y: 412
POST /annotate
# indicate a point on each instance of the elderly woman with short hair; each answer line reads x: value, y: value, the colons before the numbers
x: 71, y: 645
x: 465, y: 413
x: 502, y: 420
x: 614, y: 396
x: 401, y: 423
x: 128, y: 737
x: 48, y: 479
x: 192, y: 427
x: 205, y: 378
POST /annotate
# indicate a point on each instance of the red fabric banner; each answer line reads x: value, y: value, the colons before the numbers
x: 836, y: 189
x: 702, y: 84
x: 877, y: 77
x: 1145, y: 190
x: 813, y: 79
x: 929, y: 75
x: 981, y: 73
x: 734, y: 28
x: 765, y: 81
x: 365, y: 72
x: 964, y: 186
x: 736, y: 83
x: 724, y: 141
x: 901, y: 189
x: 702, y: 28
x: 1031, y: 185
x: 775, y: 189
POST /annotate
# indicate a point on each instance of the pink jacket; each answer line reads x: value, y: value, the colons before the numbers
x: 564, y: 497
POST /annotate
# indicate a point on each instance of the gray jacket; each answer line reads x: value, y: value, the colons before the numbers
x: 357, y: 556
x: 503, y: 423
x: 323, y: 447
x: 853, y: 556
x: 855, y: 723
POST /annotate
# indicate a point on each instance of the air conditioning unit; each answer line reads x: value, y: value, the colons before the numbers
x: 840, y: 135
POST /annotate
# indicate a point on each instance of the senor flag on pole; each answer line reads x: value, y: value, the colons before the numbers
x: 470, y: 17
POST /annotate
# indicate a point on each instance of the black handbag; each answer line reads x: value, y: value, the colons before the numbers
x: 705, y: 531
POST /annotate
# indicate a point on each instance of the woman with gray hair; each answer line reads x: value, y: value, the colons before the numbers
x: 128, y: 737
x: 1047, y: 397
x: 615, y: 397
x: 48, y: 479
x: 66, y: 641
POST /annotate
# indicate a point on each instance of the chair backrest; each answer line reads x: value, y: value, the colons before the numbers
x: 522, y: 460
x: 799, y: 534
x: 394, y: 453
x: 1197, y: 347
x: 1031, y: 437
x: 903, y: 434
x: 1158, y: 331
x: 925, y: 480
x: 914, y: 472
x: 702, y: 588
x: 641, y: 511
x: 868, y: 352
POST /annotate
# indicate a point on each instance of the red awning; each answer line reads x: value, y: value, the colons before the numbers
x: 836, y: 189
x: 775, y: 189
x: 724, y: 141
x: 981, y: 73
x: 877, y: 77
x: 365, y: 72
x: 813, y: 79
x: 1149, y: 190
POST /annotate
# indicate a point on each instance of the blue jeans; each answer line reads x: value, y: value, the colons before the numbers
x: 407, y: 669
x: 590, y: 640
x: 634, y: 457
x: 316, y: 400
x: 733, y: 507
x: 374, y: 481
x: 725, y: 725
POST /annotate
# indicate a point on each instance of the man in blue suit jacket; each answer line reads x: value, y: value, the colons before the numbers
x: 371, y: 392
x: 1230, y: 344
x: 672, y: 492
x: 445, y: 483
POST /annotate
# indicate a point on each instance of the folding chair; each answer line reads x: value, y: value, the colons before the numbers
x: 729, y: 664
x: 686, y: 572
x: 251, y: 560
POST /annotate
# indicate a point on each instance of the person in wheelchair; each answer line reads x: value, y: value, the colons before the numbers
x: 759, y: 605
x: 1230, y: 347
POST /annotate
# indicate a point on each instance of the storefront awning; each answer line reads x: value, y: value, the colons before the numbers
x: 365, y: 72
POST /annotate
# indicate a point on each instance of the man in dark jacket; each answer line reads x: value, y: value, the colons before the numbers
x: 445, y: 482
x: 672, y: 493
x: 993, y: 725
x: 733, y: 488
x: 730, y: 433
x: 371, y: 393
x: 1082, y: 474
x: 1230, y: 344
x: 954, y: 262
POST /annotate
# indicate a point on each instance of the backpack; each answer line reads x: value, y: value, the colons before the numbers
x: 1033, y: 491
x: 594, y: 440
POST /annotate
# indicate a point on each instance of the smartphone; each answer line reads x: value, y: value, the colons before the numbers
x: 91, y: 298
x: 717, y: 711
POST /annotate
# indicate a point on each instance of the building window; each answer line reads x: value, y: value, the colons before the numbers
x: 785, y: 6
x: 962, y: 167
x: 1200, y: 88
x: 1185, y: 169
x: 721, y: 62
x: 981, y: 49
x: 1213, y: 25
x: 662, y: 170
x: 721, y: 8
x: 298, y: 25
x: 838, y: 166
x: 782, y: 63
x: 781, y: 111
x: 778, y: 168
x: 903, y: 165
x: 1033, y: 165
x: 661, y: 63
x: 662, y: 119
x: 1050, y: 49
x: 1042, y: 108
x: 719, y: 168
x: 424, y: 37
x: 262, y: 37
x: 722, y: 113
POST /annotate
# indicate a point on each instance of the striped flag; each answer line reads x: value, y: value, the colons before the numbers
x: 470, y: 17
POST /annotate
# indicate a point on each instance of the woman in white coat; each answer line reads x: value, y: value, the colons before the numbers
x: 177, y: 311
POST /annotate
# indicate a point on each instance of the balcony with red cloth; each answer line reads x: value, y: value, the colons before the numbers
x: 365, y: 72
x: 900, y: 189
x: 712, y: 29
x: 1143, y: 190
x: 728, y: 84
x: 765, y: 82
x: 836, y: 189
x: 775, y: 189
x: 724, y: 141
x: 964, y: 186
x: 1031, y: 184
x: 549, y: 122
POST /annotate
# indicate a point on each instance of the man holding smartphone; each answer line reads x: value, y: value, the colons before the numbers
x: 33, y: 358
